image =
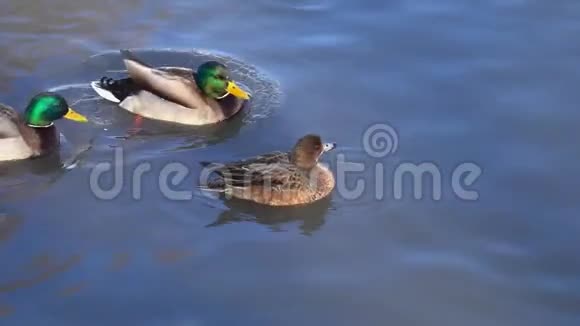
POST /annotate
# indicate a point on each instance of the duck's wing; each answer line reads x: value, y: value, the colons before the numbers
x: 179, y: 87
x: 238, y: 170
x: 9, y: 121
x: 278, y: 176
x: 186, y: 73
x: 268, y: 158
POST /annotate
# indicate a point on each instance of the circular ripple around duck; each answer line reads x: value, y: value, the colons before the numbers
x: 115, y: 124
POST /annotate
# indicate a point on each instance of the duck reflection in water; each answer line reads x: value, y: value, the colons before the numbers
x: 43, y: 165
x: 9, y: 224
x: 23, y: 178
x: 311, y: 217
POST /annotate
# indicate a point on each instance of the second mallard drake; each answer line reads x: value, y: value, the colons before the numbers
x: 175, y: 94
x: 33, y: 134
x: 277, y: 178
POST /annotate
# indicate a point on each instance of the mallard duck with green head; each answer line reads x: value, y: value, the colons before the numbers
x: 175, y: 94
x: 33, y: 134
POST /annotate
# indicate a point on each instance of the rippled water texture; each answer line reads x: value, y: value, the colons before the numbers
x: 493, y: 83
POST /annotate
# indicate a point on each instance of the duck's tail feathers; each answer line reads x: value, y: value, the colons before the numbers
x: 216, y: 186
x: 104, y: 93
x: 215, y: 181
x: 210, y: 188
x: 128, y: 55
x: 114, y: 90
x: 209, y: 164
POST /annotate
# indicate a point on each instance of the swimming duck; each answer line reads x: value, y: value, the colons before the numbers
x: 277, y: 178
x: 33, y: 134
x: 175, y: 94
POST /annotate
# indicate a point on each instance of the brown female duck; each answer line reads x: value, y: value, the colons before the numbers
x: 277, y: 178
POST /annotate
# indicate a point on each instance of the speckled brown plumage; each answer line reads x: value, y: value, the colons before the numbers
x: 277, y: 178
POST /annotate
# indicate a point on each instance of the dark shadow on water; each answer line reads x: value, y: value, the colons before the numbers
x: 44, y: 165
x: 73, y: 289
x: 9, y: 224
x: 119, y: 262
x: 5, y: 310
x: 311, y: 217
x: 25, y: 177
x: 172, y: 256
x: 41, y: 269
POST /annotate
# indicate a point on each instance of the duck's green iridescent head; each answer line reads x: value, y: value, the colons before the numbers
x: 214, y: 80
x: 45, y: 108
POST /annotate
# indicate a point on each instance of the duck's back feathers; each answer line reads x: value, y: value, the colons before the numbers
x: 128, y: 55
x: 116, y: 90
x: 180, y: 71
x: 12, y: 144
x: 149, y: 105
x: 256, y: 174
x: 19, y: 141
x: 177, y: 88
x: 234, y: 172
x: 269, y: 158
x: 9, y: 121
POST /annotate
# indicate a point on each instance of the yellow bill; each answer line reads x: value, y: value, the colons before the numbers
x: 75, y: 116
x: 236, y: 91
